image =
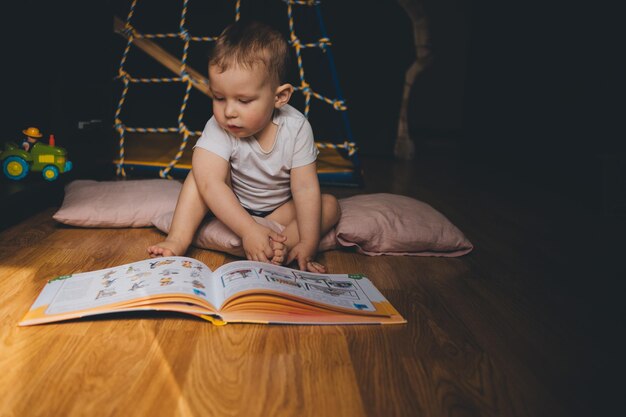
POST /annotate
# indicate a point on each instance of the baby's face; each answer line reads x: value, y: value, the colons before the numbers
x: 243, y: 99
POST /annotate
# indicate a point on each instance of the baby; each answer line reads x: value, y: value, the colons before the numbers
x: 255, y: 157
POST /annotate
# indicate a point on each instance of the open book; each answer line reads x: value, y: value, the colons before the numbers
x: 242, y: 291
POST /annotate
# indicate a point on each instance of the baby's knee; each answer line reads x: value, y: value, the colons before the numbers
x: 330, y: 206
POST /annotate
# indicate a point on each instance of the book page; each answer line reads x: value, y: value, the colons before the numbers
x: 338, y: 290
x: 152, y: 277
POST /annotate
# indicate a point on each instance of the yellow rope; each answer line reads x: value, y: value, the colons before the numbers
x: 184, y: 35
x: 350, y: 147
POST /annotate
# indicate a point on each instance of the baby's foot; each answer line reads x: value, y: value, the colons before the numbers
x: 166, y: 248
x: 280, y: 251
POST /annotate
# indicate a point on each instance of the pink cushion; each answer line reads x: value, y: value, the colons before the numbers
x: 215, y: 235
x: 389, y: 224
x: 131, y: 203
x: 375, y: 224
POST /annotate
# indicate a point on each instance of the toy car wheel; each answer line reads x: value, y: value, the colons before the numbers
x: 50, y: 173
x: 15, y: 168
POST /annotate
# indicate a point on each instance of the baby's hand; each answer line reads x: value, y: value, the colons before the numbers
x: 304, y: 255
x: 257, y: 244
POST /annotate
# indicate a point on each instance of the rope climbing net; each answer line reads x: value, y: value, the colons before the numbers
x: 189, y: 79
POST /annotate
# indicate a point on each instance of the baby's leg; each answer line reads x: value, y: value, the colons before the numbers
x: 286, y: 215
x: 189, y: 212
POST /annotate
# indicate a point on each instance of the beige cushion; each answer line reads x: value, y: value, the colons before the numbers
x: 130, y: 203
x: 390, y: 224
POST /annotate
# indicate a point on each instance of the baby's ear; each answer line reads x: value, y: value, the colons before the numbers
x: 283, y: 94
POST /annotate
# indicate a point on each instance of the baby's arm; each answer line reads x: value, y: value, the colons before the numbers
x: 211, y: 173
x: 307, y: 199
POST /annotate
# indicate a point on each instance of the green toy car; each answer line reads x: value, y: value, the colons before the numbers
x: 49, y: 160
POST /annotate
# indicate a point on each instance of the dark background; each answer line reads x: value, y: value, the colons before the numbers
x: 526, y: 92
x: 520, y: 95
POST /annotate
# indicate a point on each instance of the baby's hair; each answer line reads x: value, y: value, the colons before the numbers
x: 248, y: 43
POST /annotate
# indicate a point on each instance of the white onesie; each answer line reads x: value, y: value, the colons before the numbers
x: 260, y: 179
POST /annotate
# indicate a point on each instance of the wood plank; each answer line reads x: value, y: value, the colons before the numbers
x: 158, y: 150
x: 199, y: 81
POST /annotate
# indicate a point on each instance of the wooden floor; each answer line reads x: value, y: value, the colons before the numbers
x: 504, y: 331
